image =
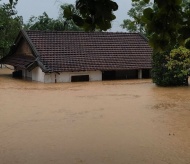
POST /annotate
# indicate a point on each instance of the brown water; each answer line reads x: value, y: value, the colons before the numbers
x: 113, y: 122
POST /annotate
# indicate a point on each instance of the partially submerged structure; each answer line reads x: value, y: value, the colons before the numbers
x: 50, y: 56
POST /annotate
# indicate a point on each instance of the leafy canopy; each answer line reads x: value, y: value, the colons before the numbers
x: 44, y: 22
x: 135, y: 23
x: 92, y: 14
x: 179, y: 65
x: 162, y: 26
x: 168, y: 26
x: 10, y: 25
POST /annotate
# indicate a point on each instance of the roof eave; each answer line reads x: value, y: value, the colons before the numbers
x: 35, y: 52
x: 36, y: 63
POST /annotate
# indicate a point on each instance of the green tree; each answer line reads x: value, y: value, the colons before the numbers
x: 65, y: 12
x: 184, y: 31
x: 12, y: 1
x: 44, y: 22
x: 162, y: 26
x: 135, y: 23
x: 93, y: 14
x: 10, y: 25
x: 179, y: 66
x: 168, y: 25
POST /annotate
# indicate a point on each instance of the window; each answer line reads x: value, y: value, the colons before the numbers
x: 80, y: 78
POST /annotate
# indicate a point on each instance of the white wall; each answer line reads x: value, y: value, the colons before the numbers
x: 37, y: 74
x: 95, y: 76
x: 49, y: 78
x: 66, y: 76
x: 26, y: 74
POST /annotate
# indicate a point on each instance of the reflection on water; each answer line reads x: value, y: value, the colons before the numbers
x: 112, y: 122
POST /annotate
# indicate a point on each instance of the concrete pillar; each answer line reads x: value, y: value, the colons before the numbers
x: 140, y: 74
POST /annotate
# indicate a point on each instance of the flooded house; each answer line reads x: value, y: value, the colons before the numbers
x: 54, y: 56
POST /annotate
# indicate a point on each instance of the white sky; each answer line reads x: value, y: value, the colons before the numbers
x: 27, y: 8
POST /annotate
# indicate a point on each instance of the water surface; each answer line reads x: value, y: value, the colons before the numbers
x: 112, y: 122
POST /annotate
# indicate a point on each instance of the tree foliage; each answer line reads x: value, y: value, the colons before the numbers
x: 160, y: 74
x: 10, y: 25
x: 171, y: 68
x: 162, y: 26
x: 65, y: 13
x: 93, y: 14
x: 168, y: 27
x: 135, y: 23
x: 12, y: 1
x: 184, y: 30
x: 44, y: 22
x: 179, y: 65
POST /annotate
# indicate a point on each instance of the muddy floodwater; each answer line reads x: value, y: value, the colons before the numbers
x: 110, y: 122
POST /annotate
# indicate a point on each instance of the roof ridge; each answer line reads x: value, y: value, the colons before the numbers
x: 95, y: 32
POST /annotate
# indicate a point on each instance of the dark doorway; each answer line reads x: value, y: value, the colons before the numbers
x: 131, y: 74
x: 17, y: 74
x: 146, y: 73
x: 120, y: 75
x: 80, y: 78
x: 108, y: 75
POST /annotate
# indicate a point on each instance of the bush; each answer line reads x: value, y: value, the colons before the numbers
x: 187, y: 43
x: 171, y: 68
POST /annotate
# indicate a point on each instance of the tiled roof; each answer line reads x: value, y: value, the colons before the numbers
x: 83, y: 51
x: 20, y: 61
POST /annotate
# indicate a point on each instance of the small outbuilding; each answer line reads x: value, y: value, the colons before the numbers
x: 52, y: 56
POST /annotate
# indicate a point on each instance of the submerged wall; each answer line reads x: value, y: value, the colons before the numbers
x: 66, y: 76
x: 38, y: 75
x: 26, y: 74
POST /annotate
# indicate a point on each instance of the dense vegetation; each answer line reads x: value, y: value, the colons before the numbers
x: 167, y: 26
x: 10, y: 24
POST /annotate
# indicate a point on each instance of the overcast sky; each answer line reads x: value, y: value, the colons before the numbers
x: 27, y: 8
